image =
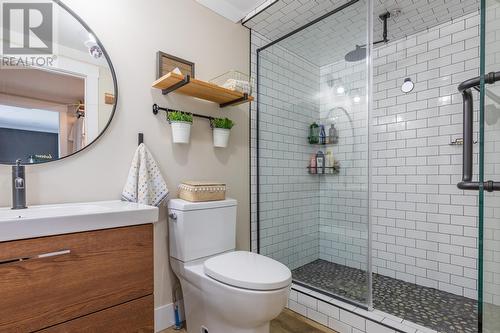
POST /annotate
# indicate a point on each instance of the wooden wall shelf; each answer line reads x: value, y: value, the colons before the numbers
x: 200, y: 89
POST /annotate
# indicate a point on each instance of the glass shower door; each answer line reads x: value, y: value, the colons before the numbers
x: 489, y: 169
x: 312, y: 186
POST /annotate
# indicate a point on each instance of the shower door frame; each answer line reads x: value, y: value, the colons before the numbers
x: 369, y: 70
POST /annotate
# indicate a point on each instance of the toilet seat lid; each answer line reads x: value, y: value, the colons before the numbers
x: 248, y: 270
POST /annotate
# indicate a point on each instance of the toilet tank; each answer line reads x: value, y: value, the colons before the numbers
x: 201, y: 229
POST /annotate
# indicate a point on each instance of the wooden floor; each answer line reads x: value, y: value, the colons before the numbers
x: 287, y: 322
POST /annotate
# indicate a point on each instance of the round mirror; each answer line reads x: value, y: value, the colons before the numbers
x: 407, y: 86
x: 58, y: 88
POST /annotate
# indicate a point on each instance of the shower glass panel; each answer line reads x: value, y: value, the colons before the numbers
x: 489, y: 289
x: 313, y: 165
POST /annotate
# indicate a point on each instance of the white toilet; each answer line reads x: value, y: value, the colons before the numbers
x: 225, y: 291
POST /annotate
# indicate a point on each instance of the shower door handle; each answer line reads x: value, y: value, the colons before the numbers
x: 468, y: 119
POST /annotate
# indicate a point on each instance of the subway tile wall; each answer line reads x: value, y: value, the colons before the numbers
x: 344, y: 197
x: 424, y: 228
x: 289, y: 203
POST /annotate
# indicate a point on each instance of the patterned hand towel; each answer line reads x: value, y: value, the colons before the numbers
x: 145, y: 184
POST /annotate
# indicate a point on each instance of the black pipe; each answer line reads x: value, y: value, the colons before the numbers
x: 157, y: 108
x: 385, y: 35
x: 489, y: 186
x: 476, y: 82
x: 385, y: 17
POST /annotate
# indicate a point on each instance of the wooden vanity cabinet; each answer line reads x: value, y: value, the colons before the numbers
x: 97, y: 281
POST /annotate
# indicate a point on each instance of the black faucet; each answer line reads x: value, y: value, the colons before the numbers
x: 18, y: 186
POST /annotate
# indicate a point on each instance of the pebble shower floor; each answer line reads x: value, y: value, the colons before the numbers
x: 432, y: 308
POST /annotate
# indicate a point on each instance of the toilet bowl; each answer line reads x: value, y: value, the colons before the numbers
x: 225, y: 291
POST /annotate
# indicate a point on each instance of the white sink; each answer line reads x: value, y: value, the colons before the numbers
x: 46, y: 220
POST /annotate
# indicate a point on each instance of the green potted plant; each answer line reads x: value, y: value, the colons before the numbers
x: 221, y: 130
x: 181, y: 126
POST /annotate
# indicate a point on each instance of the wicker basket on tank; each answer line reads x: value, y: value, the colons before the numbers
x: 196, y: 191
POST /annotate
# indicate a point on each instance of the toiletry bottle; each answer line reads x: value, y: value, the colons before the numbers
x: 332, y: 134
x: 332, y: 163
x: 314, y: 133
x: 320, y: 162
x: 312, y: 165
x: 322, y: 135
x: 328, y: 166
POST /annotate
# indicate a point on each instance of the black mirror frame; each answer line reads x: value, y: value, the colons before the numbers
x: 115, y: 84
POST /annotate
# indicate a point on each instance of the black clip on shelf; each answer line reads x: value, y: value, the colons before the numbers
x: 236, y: 101
x: 157, y: 108
x: 176, y: 86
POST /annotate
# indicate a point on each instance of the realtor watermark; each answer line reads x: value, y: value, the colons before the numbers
x: 34, y: 61
x: 27, y: 34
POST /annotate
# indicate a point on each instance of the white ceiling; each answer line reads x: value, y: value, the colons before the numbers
x: 29, y: 119
x: 42, y: 85
x: 330, y: 39
x: 233, y: 10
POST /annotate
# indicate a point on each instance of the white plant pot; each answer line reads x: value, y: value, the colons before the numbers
x: 221, y: 137
x: 181, y: 131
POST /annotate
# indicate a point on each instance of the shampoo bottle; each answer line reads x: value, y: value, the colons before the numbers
x: 332, y: 163
x: 322, y: 135
x: 320, y: 162
x: 332, y: 134
x: 328, y: 166
x: 312, y: 165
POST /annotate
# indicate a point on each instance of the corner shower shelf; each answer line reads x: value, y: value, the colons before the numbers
x: 323, y: 144
x: 185, y: 85
x: 334, y: 170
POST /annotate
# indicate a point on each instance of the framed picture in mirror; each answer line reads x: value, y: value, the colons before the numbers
x: 167, y: 63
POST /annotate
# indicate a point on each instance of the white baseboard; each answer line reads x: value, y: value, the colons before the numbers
x: 164, y: 317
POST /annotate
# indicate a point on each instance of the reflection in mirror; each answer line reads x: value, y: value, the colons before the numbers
x: 54, y: 108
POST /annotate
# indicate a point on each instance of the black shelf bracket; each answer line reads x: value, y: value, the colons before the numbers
x: 157, y: 108
x: 176, y: 86
x: 236, y: 101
